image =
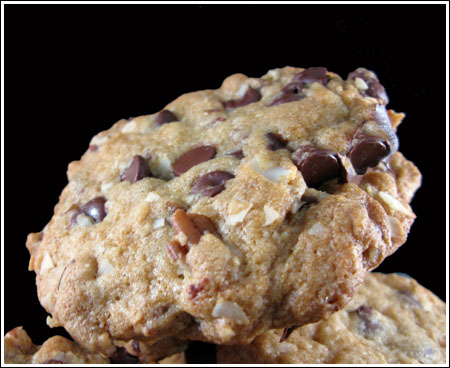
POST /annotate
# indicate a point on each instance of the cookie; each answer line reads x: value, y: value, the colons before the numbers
x: 392, y: 319
x: 19, y: 349
x: 258, y: 205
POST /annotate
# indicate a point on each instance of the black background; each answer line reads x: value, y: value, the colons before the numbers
x: 74, y: 70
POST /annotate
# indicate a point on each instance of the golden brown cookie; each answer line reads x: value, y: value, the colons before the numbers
x: 392, y: 319
x: 19, y: 349
x: 258, y: 205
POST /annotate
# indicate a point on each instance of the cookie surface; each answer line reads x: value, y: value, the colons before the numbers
x: 19, y: 349
x: 392, y: 319
x: 258, y: 205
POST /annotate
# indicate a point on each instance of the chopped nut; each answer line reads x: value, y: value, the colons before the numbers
x: 274, y: 174
x: 46, y: 264
x: 106, y: 186
x: 238, y: 210
x: 85, y: 220
x: 394, y: 204
x: 176, y: 250
x: 230, y: 310
x: 271, y: 215
x: 158, y: 223
x: 104, y: 267
x: 182, y: 223
x: 152, y: 197
x: 317, y: 229
x: 53, y: 322
x: 361, y: 84
x: 129, y: 127
x: 98, y: 140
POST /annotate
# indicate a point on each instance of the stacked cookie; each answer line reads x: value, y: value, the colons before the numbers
x: 261, y: 205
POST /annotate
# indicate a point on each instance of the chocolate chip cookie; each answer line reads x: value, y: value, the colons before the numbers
x: 258, y: 205
x: 392, y: 319
x: 19, y: 349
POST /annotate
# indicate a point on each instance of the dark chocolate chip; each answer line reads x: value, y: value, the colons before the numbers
x: 164, y: 117
x: 137, y: 170
x: 290, y: 93
x: 121, y: 356
x: 311, y: 75
x: 365, y: 312
x: 375, y: 89
x: 276, y: 141
x: 193, y: 157
x: 238, y: 154
x: 367, y: 151
x: 293, y: 91
x: 287, y: 332
x: 53, y: 361
x: 211, y: 184
x: 95, y: 209
x: 317, y: 165
x: 250, y: 96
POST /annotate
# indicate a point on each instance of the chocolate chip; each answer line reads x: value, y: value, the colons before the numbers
x: 317, y: 165
x: 137, y: 170
x: 365, y: 312
x: 95, y: 209
x: 367, y: 151
x: 121, y: 356
x: 311, y: 75
x: 290, y: 93
x: 287, y: 332
x: 53, y: 361
x: 375, y: 89
x: 293, y: 91
x: 238, y: 154
x: 193, y: 157
x: 93, y: 147
x: 164, y: 117
x: 276, y: 141
x: 250, y: 96
x: 211, y: 184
